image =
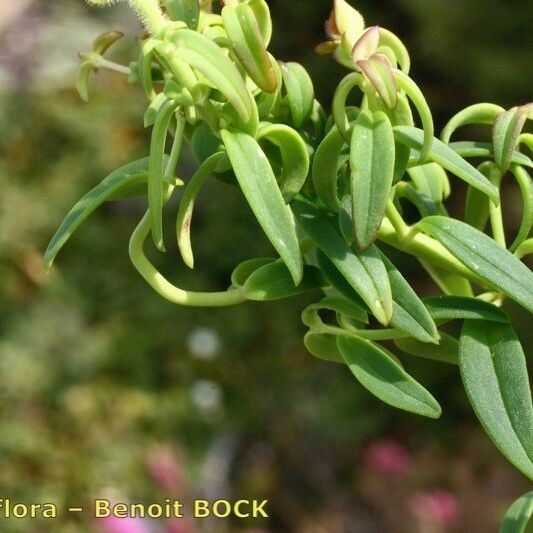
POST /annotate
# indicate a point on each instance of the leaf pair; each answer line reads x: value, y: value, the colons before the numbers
x: 248, y: 42
x: 364, y: 271
x: 206, y: 57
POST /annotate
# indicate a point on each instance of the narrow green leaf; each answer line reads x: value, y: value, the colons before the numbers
x: 448, y: 159
x: 326, y: 168
x: 430, y: 179
x: 242, y: 28
x: 483, y: 256
x: 460, y: 308
x: 263, y: 18
x: 449, y: 282
x: 323, y: 346
x: 337, y: 280
x: 156, y: 170
x: 204, y: 55
x: 364, y: 271
x: 507, y: 129
x: 260, y: 188
x: 120, y: 179
x: 424, y: 204
x: 494, y: 372
x: 274, y: 282
x: 294, y: 155
x: 243, y: 271
x: 477, y: 208
x: 300, y: 92
x: 372, y: 163
x: 186, y: 208
x: 338, y: 304
x: 518, y: 515
x: 409, y: 312
x: 385, y: 378
x: 447, y: 351
x: 186, y: 10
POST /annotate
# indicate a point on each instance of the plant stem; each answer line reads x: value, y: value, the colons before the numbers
x: 111, y: 65
x: 496, y: 217
x: 395, y: 218
x: 162, y: 286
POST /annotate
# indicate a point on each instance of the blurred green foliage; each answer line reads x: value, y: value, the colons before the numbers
x: 100, y: 378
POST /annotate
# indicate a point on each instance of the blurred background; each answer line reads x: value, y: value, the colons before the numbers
x: 106, y: 390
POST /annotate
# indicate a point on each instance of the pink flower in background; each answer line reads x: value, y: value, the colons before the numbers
x: 123, y: 525
x: 387, y: 457
x: 165, y: 468
x: 439, y: 506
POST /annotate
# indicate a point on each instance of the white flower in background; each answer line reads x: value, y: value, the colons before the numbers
x: 206, y: 396
x: 204, y: 343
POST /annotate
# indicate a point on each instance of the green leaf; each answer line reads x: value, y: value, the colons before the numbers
x: 326, y: 168
x: 204, y: 55
x: 483, y: 256
x: 156, y: 170
x: 364, y: 271
x: 494, y: 372
x: 477, y: 208
x: 448, y: 282
x: 424, y: 204
x: 378, y: 372
x: 260, y: 188
x: 460, y: 307
x: 323, y: 346
x: 337, y: 280
x: 372, y: 163
x: 300, y: 92
x: 119, y: 180
x: 294, y: 155
x: 447, y: 351
x: 243, y: 271
x: 262, y: 16
x: 507, y: 129
x: 448, y: 159
x: 518, y: 515
x: 186, y: 208
x: 409, y: 312
x: 186, y: 10
x: 430, y: 179
x: 242, y: 29
x: 274, y: 282
x: 338, y: 304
